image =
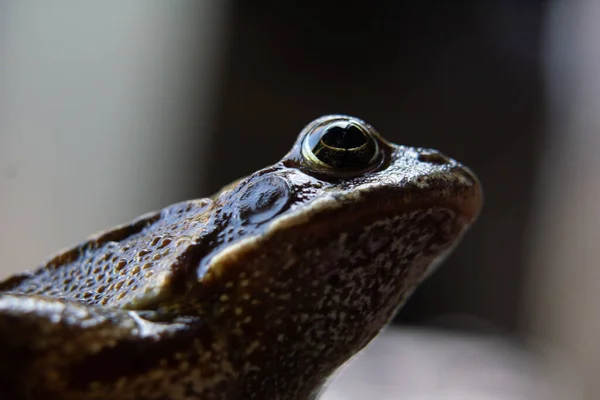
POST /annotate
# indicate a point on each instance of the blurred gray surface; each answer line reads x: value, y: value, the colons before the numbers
x: 564, y: 276
x: 416, y: 364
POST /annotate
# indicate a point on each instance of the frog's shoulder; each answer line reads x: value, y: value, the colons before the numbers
x: 130, y: 266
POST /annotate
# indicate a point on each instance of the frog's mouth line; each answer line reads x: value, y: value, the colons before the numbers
x: 465, y: 202
x: 465, y: 206
x: 456, y: 190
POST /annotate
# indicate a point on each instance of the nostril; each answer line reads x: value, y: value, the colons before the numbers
x: 433, y: 157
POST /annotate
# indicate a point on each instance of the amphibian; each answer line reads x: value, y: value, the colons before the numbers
x: 261, y: 291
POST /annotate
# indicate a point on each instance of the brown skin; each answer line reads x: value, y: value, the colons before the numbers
x: 260, y: 292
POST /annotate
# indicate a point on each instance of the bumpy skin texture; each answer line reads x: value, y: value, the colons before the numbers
x: 260, y: 292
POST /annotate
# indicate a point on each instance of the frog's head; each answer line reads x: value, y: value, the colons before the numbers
x: 332, y: 240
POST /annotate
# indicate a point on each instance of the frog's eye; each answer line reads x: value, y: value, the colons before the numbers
x: 341, y: 147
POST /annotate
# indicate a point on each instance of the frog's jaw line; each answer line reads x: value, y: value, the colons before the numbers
x: 230, y: 254
x: 466, y: 208
x: 454, y: 188
x: 466, y: 211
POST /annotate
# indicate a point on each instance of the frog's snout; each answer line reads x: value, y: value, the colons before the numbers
x: 467, y: 188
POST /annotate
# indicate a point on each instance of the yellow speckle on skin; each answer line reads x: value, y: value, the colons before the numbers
x: 239, y: 311
x: 68, y: 348
x: 52, y: 375
x: 253, y: 346
x: 224, y: 297
x: 95, y: 347
x: 184, y: 366
x: 120, y: 383
x: 156, y: 374
x: 244, y: 283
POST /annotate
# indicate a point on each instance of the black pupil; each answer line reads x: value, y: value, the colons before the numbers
x: 349, y: 137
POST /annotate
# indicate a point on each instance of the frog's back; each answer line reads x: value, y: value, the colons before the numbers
x: 130, y: 266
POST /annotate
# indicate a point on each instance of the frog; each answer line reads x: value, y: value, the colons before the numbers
x: 261, y: 291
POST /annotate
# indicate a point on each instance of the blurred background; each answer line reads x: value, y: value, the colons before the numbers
x: 112, y: 109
